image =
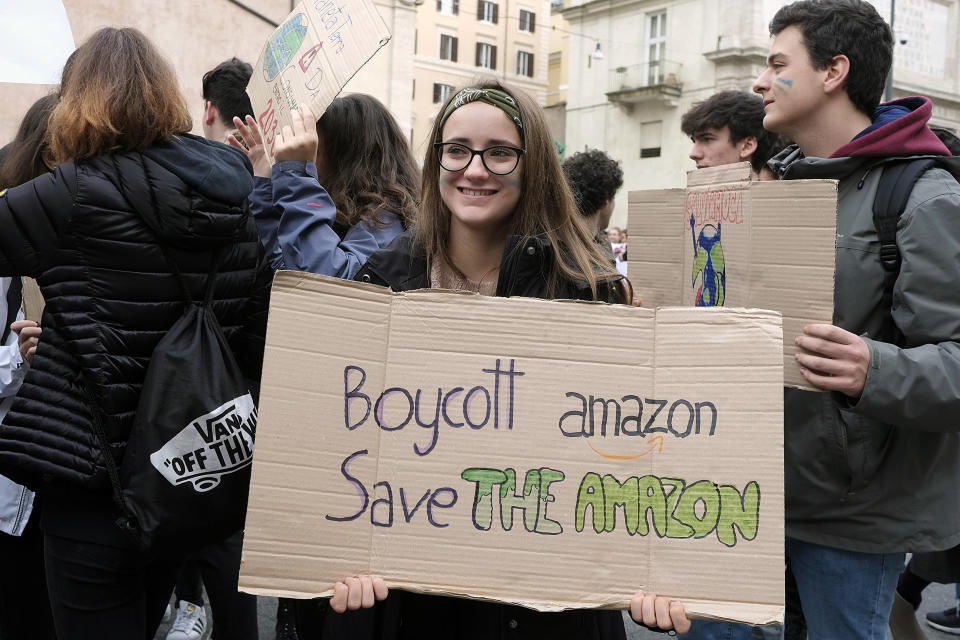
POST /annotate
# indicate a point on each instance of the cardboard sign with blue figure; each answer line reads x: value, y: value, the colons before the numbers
x: 728, y: 241
x: 709, y: 269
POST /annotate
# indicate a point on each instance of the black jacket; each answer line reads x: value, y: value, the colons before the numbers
x: 90, y: 233
x: 524, y: 271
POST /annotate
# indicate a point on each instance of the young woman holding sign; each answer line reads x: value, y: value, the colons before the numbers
x: 497, y: 218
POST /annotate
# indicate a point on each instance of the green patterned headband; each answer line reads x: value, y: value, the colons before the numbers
x: 499, y: 99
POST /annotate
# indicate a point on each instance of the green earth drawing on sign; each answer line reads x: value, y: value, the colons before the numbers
x: 283, y: 45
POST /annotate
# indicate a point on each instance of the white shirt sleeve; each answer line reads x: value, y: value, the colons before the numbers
x: 12, y: 366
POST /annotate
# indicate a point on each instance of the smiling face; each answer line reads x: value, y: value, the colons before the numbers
x: 715, y: 147
x: 477, y: 199
x: 791, y: 88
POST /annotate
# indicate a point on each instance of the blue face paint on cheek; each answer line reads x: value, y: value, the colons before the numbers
x: 783, y: 84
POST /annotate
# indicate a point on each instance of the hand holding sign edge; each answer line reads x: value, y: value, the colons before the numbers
x: 358, y: 592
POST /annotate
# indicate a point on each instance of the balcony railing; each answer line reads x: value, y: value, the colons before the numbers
x: 658, y: 80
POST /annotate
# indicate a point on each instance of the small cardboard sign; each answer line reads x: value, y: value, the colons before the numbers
x: 33, y: 302
x: 310, y: 57
x: 507, y: 449
x: 726, y: 240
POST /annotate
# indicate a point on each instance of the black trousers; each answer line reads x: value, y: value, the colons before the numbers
x: 24, y: 605
x: 102, y: 591
x: 234, y: 613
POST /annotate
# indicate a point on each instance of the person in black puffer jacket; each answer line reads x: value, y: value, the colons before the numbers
x: 129, y: 181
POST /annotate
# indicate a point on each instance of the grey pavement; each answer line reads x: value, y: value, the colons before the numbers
x: 936, y: 597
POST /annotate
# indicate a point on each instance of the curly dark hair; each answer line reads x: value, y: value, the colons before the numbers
x: 594, y: 177
x: 851, y: 28
x: 742, y: 113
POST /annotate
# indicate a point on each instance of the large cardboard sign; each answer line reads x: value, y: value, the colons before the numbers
x: 310, y: 57
x: 728, y: 241
x: 509, y: 449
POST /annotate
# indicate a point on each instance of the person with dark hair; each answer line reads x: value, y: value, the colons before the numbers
x: 225, y: 98
x: 872, y: 461
x: 727, y: 127
x: 343, y: 186
x: 24, y: 604
x: 594, y: 177
x: 134, y: 199
x: 29, y: 155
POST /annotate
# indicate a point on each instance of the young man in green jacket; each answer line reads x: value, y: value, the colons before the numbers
x: 873, y: 461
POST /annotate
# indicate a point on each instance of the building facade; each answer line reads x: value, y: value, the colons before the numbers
x: 460, y: 40
x: 195, y: 37
x: 661, y: 56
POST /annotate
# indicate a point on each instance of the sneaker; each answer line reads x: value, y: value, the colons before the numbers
x: 190, y: 623
x: 947, y: 620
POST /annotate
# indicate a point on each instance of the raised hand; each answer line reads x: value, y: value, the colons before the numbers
x: 299, y: 140
x: 250, y: 132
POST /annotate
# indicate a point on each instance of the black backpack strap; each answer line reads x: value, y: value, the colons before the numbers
x: 215, y: 262
x: 896, y: 185
x: 14, y: 299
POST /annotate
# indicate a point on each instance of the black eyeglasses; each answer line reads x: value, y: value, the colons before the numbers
x: 501, y: 159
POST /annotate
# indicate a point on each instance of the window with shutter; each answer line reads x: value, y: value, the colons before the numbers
x: 525, y: 63
x: 448, y: 47
x: 486, y: 56
x: 527, y: 21
x: 441, y: 92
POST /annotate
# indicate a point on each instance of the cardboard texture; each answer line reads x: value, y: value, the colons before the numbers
x: 766, y: 245
x: 310, y: 57
x: 33, y: 302
x: 400, y: 433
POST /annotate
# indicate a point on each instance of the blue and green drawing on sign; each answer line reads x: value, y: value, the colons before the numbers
x: 708, y: 265
x: 283, y: 45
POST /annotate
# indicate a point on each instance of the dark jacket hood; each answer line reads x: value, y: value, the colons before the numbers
x: 190, y: 191
x: 902, y: 131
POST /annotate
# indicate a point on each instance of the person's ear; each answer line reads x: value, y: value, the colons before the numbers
x: 836, y: 74
x: 747, y: 147
x: 211, y: 114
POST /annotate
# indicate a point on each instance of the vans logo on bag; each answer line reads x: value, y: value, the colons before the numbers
x: 211, y: 446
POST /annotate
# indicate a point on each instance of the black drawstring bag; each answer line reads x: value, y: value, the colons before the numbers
x: 185, y: 474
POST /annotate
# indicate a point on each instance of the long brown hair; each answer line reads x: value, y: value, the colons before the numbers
x: 370, y: 166
x: 546, y: 206
x: 24, y: 159
x: 117, y: 94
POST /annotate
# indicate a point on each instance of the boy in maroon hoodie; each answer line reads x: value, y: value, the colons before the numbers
x: 872, y: 463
